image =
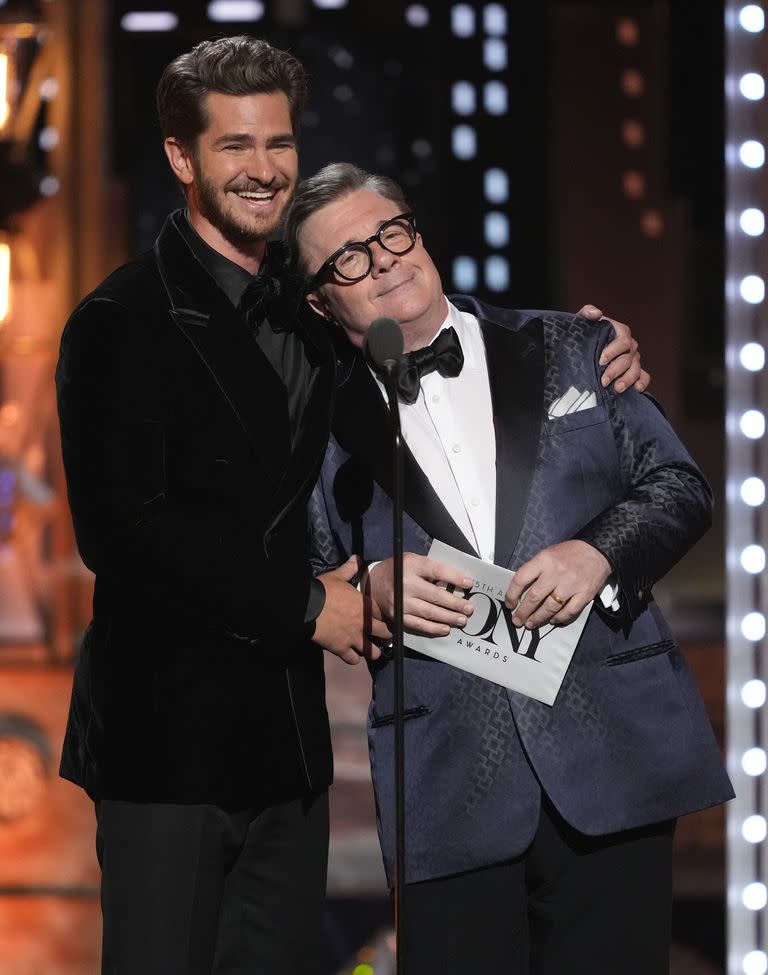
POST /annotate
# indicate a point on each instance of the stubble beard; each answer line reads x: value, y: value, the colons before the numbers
x: 240, y: 233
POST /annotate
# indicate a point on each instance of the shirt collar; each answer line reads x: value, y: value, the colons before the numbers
x: 230, y: 277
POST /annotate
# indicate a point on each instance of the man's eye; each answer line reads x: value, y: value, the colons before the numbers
x: 235, y: 147
x: 346, y: 259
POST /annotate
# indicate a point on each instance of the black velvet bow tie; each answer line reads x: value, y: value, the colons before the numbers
x: 274, y: 294
x: 444, y: 355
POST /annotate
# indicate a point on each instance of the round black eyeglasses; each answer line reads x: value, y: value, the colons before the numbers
x: 353, y: 262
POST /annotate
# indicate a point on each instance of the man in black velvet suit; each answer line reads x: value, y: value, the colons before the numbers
x: 195, y: 410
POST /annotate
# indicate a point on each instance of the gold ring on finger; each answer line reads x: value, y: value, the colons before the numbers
x: 558, y: 599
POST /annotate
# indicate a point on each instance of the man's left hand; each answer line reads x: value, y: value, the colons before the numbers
x: 560, y: 580
x: 621, y: 356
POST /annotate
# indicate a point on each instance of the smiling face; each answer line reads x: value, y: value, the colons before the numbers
x: 241, y: 174
x: 405, y: 287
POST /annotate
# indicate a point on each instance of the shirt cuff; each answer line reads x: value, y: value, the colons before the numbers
x: 315, y: 603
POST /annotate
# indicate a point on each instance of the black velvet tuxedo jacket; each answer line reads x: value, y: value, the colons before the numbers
x: 196, y: 681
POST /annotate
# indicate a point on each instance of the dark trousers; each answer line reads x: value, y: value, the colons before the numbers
x: 194, y: 890
x: 570, y: 904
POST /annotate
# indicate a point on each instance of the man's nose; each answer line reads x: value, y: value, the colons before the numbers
x: 261, y: 167
x: 381, y: 258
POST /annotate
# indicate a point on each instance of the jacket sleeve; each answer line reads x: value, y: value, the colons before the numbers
x: 180, y: 554
x: 667, y: 505
x: 324, y: 550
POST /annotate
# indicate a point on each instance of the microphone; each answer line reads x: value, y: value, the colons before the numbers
x: 383, y: 345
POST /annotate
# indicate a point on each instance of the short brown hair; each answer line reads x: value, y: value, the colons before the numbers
x: 331, y: 183
x: 240, y: 65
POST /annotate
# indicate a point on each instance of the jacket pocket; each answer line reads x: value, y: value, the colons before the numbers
x: 408, y: 715
x: 575, y: 421
x: 639, y: 653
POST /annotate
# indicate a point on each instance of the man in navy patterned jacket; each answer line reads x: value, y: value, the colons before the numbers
x: 539, y: 838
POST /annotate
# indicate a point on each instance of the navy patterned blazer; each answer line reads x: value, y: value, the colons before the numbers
x: 627, y: 741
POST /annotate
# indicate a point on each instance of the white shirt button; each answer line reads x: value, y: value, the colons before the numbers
x: 475, y: 502
x: 456, y: 448
x: 435, y: 398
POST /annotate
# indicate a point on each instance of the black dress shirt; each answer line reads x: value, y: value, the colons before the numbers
x: 254, y: 296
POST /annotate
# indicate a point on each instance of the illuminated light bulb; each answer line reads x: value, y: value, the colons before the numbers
x: 753, y: 626
x: 149, y: 21
x: 417, y: 15
x: 753, y: 693
x: 495, y: 54
x: 752, y: 18
x: 752, y: 86
x: 463, y: 98
x: 465, y: 273
x: 755, y: 963
x: 495, y: 19
x: 464, y: 142
x: 752, y: 154
x: 754, y: 829
x: 463, y: 20
x: 495, y: 98
x: 754, y: 896
x: 752, y: 289
x: 752, y: 424
x: 752, y: 356
x: 236, y: 11
x: 752, y: 221
x: 753, y: 761
x: 330, y: 4
x: 48, y: 138
x: 497, y: 273
x: 752, y: 491
x: 496, y: 185
x: 496, y: 229
x: 753, y: 559
x: 49, y: 185
x: 49, y: 89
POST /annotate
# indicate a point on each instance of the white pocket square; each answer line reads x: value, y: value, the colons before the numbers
x: 572, y: 402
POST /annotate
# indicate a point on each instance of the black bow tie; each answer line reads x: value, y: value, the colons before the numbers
x: 444, y: 355
x: 275, y: 294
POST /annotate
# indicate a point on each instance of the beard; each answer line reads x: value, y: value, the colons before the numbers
x: 239, y: 232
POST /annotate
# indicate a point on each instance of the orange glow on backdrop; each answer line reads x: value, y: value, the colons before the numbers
x: 5, y: 281
x: 5, y: 108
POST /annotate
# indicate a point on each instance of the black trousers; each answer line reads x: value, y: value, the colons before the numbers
x: 194, y: 890
x: 570, y: 904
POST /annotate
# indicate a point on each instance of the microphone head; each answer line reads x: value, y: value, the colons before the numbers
x: 383, y: 344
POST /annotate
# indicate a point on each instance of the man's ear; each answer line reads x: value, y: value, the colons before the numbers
x: 180, y: 159
x: 318, y: 305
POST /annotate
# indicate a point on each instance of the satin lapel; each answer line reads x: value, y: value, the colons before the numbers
x: 240, y: 370
x: 516, y: 377
x: 361, y: 426
x: 314, y: 423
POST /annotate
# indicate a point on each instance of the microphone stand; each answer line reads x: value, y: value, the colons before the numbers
x: 390, y: 366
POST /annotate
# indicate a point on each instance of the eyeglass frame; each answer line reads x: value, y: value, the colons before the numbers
x: 330, y: 263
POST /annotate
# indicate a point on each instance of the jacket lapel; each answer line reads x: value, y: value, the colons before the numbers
x: 361, y: 427
x: 312, y: 435
x: 240, y: 370
x: 516, y: 376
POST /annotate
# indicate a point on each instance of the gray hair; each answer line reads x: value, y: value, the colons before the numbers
x: 332, y: 183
